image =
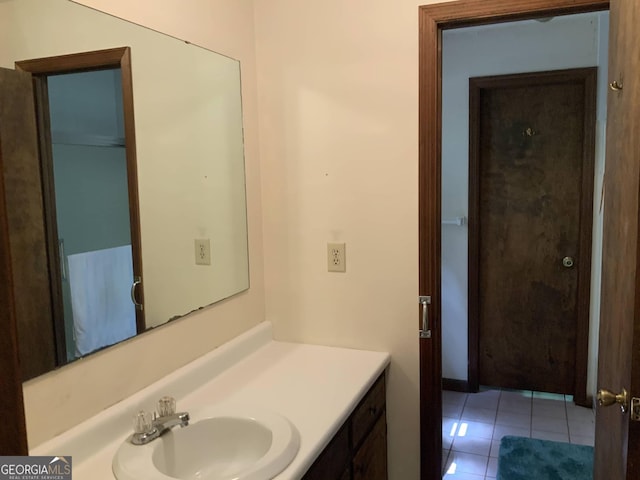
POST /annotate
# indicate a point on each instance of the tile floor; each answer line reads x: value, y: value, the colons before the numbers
x: 474, y: 423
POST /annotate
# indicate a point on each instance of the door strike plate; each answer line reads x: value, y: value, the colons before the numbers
x: 635, y: 409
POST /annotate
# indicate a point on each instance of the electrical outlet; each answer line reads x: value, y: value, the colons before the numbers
x: 336, y: 259
x: 203, y: 251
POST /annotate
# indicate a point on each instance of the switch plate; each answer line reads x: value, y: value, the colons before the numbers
x: 203, y: 251
x: 336, y: 257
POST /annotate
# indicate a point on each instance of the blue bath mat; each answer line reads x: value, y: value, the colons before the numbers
x: 529, y: 458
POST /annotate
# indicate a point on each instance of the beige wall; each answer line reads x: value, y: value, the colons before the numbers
x: 84, y: 388
x: 338, y: 97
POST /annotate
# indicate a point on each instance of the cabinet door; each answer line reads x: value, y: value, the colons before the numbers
x: 333, y: 460
x: 368, y: 411
x: 370, y: 461
x: 347, y: 474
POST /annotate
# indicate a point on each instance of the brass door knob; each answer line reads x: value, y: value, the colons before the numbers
x: 607, y: 398
x: 567, y: 262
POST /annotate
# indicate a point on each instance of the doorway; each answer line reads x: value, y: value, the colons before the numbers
x: 91, y: 208
x: 434, y: 20
x: 481, y: 51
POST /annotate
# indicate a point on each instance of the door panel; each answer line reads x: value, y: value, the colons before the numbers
x: 617, y: 448
x: 13, y: 436
x: 25, y: 217
x: 526, y: 176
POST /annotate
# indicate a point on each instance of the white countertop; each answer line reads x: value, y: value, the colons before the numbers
x: 315, y: 387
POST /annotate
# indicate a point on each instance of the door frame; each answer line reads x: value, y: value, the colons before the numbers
x: 588, y: 78
x: 433, y: 19
x: 40, y: 69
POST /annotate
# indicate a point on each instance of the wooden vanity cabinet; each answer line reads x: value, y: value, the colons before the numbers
x: 359, y: 450
x: 370, y: 459
x: 335, y: 459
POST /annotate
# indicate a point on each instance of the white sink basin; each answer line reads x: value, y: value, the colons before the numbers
x: 218, y: 444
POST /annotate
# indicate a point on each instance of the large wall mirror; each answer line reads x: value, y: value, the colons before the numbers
x: 189, y: 160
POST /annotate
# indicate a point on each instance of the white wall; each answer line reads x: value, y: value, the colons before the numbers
x: 596, y: 256
x: 338, y: 96
x: 84, y: 388
x: 564, y: 42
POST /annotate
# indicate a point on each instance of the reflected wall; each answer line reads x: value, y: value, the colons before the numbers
x: 189, y: 135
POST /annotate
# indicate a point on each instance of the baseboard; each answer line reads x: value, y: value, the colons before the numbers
x: 454, y: 385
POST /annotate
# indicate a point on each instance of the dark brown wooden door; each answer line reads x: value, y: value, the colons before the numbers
x: 13, y: 436
x: 25, y: 217
x: 617, y: 446
x: 531, y: 177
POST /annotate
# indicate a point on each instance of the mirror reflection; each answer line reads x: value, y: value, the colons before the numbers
x: 189, y: 161
x: 91, y: 207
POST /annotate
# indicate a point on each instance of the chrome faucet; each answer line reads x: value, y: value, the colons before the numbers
x: 147, y: 428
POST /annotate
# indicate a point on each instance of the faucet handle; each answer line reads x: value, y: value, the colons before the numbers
x: 166, y: 406
x: 142, y: 422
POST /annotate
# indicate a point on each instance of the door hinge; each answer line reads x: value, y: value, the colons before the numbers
x: 635, y: 409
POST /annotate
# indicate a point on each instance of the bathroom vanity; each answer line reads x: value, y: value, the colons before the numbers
x: 359, y: 450
x: 334, y: 397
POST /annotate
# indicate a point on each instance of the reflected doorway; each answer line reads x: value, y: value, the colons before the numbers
x: 91, y: 209
x: 86, y: 137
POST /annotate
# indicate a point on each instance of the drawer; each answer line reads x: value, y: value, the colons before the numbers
x: 368, y: 411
